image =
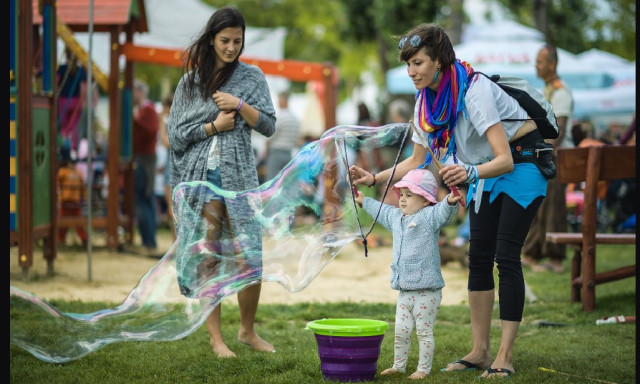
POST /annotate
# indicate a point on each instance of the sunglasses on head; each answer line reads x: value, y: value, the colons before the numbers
x: 414, y: 41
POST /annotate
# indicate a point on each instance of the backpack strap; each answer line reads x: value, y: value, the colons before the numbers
x: 495, y: 78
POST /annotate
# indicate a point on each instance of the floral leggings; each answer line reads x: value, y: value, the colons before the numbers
x: 419, y: 309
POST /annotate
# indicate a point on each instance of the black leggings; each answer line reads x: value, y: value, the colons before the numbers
x: 497, y: 234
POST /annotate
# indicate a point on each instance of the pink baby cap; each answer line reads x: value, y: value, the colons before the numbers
x: 421, y: 182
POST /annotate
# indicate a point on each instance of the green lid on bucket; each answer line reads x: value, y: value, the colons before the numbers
x: 348, y: 327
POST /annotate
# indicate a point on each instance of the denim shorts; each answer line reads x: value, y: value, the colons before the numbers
x: 213, y: 177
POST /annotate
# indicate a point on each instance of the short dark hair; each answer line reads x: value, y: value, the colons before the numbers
x: 434, y: 40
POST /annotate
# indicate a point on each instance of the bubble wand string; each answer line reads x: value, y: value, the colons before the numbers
x: 454, y: 189
x: 354, y: 189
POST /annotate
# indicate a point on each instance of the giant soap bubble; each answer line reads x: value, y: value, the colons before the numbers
x: 207, y: 262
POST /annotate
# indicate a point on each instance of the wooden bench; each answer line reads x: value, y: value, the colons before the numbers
x: 591, y: 164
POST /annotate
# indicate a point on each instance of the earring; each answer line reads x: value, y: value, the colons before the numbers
x: 210, y: 42
x: 435, y: 78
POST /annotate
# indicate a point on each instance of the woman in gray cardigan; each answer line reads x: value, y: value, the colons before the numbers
x: 217, y: 103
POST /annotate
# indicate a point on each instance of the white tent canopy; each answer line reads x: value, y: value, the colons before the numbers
x: 602, y: 83
x: 173, y: 25
x: 515, y: 58
x: 504, y: 30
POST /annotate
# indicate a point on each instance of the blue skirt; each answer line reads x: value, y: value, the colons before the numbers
x: 524, y: 184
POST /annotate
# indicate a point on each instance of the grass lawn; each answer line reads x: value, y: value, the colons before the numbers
x: 578, y: 351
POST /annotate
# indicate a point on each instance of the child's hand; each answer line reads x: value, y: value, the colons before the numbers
x: 358, y: 196
x: 453, y: 199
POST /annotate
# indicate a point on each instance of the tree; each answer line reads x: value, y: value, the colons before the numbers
x: 361, y: 35
x: 579, y: 25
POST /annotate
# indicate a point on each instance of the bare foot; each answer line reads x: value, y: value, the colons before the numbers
x: 551, y: 266
x: 389, y: 371
x: 256, y: 342
x: 221, y: 350
x: 417, y: 375
x: 528, y: 261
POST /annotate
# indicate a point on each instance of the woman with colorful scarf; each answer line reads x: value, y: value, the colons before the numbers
x: 468, y: 123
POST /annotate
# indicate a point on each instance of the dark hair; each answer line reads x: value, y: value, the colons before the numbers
x: 167, y: 100
x: 364, y: 116
x: 201, y: 58
x: 435, y: 42
x: 577, y: 133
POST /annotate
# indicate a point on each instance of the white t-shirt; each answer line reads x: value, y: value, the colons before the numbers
x: 486, y: 104
x: 562, y: 103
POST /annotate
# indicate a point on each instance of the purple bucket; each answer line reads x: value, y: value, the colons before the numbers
x: 346, y: 358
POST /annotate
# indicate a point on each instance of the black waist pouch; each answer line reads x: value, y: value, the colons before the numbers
x: 531, y: 148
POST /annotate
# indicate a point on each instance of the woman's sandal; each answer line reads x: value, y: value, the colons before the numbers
x: 494, y: 371
x: 469, y: 366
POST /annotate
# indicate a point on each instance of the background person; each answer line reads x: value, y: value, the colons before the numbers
x: 285, y: 140
x: 552, y: 215
x: 145, y: 134
x: 218, y: 102
x: 164, y: 141
x: 71, y: 195
x: 368, y: 157
x: 415, y: 267
x: 72, y: 88
x: 460, y: 118
x: 399, y: 111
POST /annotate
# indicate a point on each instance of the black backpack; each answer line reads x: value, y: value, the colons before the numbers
x: 531, y: 100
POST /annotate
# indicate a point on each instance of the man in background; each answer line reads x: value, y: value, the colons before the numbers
x: 552, y: 215
x: 145, y: 134
x: 286, y: 139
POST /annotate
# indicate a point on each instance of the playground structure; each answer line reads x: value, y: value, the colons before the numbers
x: 35, y: 25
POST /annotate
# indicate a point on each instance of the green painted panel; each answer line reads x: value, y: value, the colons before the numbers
x: 41, y: 140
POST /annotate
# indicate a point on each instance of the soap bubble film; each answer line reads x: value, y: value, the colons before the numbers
x: 219, y: 252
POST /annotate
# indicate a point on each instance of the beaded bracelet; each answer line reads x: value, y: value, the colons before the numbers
x: 240, y: 105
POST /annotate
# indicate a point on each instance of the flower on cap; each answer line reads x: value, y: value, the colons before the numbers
x: 412, y: 224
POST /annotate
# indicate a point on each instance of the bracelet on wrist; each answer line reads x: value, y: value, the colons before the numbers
x: 240, y: 103
x: 214, y: 131
x: 374, y: 181
x: 472, y: 174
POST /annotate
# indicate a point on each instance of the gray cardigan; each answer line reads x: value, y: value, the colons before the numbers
x: 416, y: 257
x: 189, y: 151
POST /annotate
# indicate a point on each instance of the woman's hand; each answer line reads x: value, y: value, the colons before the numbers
x: 226, y: 101
x: 225, y: 121
x: 453, y: 175
x: 359, y: 176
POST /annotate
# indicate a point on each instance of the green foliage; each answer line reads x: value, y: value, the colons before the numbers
x: 149, y: 72
x: 579, y: 25
x: 576, y: 351
x: 361, y: 35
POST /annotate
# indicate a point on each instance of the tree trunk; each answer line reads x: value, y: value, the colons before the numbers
x: 454, y: 22
x: 540, y: 17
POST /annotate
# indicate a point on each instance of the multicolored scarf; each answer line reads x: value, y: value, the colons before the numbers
x: 437, y: 113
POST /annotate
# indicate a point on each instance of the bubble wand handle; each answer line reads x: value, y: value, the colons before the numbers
x: 355, y: 192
